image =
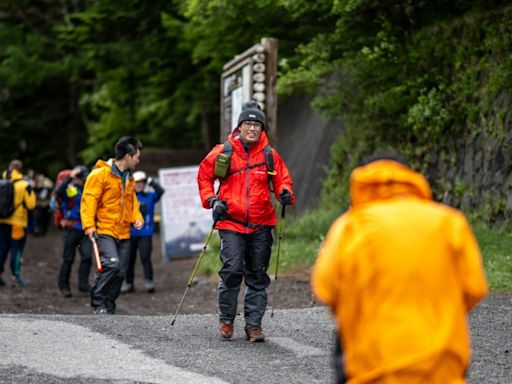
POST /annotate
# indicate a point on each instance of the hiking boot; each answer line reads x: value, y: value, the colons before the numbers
x: 127, y: 288
x: 2, y: 282
x: 19, y: 282
x: 225, y: 330
x: 150, y: 287
x: 66, y: 292
x: 101, y: 311
x: 255, y: 334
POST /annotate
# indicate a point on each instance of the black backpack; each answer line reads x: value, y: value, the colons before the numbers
x: 7, y: 206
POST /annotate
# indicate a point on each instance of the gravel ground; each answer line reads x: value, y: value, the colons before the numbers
x: 147, y: 349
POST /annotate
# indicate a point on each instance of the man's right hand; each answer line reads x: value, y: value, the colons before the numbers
x: 90, y: 232
x: 219, y: 209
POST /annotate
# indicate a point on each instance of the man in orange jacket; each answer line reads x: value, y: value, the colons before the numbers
x: 108, y: 207
x: 400, y: 273
x: 244, y: 215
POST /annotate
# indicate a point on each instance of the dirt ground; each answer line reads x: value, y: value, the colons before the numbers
x: 41, y: 264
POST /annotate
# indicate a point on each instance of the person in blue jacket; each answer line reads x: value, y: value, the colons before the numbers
x: 69, y: 193
x: 141, y: 240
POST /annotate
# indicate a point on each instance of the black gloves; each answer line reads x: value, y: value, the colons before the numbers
x: 219, y: 208
x: 285, y: 197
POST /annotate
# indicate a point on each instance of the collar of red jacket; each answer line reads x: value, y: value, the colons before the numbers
x: 386, y: 179
x: 235, y: 139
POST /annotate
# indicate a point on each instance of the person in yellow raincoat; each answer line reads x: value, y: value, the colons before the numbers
x: 13, y: 229
x: 108, y: 208
x: 400, y: 273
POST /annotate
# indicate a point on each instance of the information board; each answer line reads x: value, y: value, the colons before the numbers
x: 184, y: 222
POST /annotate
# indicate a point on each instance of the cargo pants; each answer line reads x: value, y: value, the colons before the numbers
x: 244, y: 257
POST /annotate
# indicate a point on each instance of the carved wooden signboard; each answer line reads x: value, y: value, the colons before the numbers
x: 250, y: 76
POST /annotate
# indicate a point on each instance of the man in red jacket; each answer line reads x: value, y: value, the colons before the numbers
x: 244, y: 215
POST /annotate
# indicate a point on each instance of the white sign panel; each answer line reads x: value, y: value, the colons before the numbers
x: 184, y: 222
x: 236, y: 105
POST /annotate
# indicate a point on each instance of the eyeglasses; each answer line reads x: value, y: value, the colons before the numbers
x: 256, y: 125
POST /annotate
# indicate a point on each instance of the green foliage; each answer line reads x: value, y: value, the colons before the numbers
x: 429, y: 117
x: 495, y: 245
x: 133, y: 50
x: 413, y: 76
x: 149, y: 69
x: 39, y: 119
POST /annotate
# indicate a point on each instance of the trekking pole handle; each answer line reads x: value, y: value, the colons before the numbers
x: 96, y: 252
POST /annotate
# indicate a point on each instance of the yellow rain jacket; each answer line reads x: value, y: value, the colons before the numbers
x: 106, y: 205
x: 23, y: 201
x: 400, y: 272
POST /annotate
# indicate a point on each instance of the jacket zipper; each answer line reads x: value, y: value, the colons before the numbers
x: 121, y: 214
x: 247, y: 173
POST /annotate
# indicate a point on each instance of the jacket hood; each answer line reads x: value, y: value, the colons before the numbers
x: 102, y: 163
x: 110, y: 164
x: 14, y: 175
x: 386, y: 179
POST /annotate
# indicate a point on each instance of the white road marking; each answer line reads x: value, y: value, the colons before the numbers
x: 66, y: 350
x: 297, y: 348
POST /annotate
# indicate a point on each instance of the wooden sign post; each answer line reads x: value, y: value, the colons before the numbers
x: 252, y: 75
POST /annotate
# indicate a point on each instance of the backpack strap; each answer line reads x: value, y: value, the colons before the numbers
x: 268, y: 152
x: 228, y: 148
x: 14, y: 197
x: 269, y: 161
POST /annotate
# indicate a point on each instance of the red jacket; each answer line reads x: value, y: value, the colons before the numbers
x: 246, y: 192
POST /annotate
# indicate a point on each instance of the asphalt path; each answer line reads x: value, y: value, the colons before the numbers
x: 147, y: 349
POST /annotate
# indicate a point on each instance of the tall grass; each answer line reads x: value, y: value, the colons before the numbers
x: 301, y: 240
x: 496, y: 247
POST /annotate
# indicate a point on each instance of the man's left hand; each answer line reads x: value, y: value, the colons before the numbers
x: 285, y: 197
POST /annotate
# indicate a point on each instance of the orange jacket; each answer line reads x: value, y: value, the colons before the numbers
x: 23, y: 201
x: 246, y: 192
x: 400, y: 272
x: 106, y: 206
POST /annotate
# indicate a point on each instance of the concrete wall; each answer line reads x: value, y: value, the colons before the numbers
x: 304, y: 140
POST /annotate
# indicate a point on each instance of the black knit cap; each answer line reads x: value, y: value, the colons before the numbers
x: 84, y: 172
x: 251, y: 111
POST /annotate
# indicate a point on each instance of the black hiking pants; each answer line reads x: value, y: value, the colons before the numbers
x: 114, y: 255
x: 244, y: 257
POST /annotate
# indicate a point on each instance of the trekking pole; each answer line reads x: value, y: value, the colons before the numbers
x: 96, y: 252
x: 281, y: 225
x: 193, y: 273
